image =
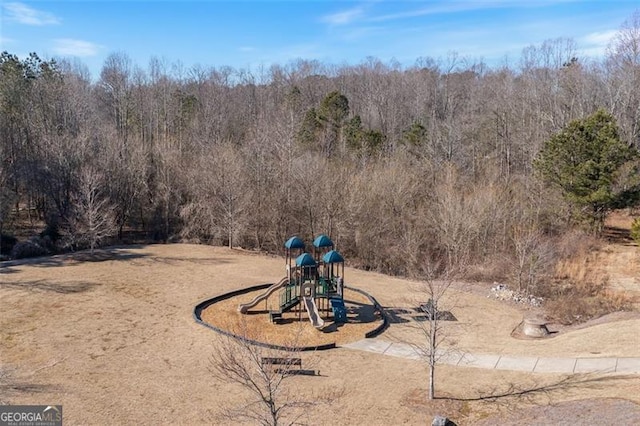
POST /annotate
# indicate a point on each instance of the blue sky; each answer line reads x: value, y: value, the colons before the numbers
x: 249, y: 34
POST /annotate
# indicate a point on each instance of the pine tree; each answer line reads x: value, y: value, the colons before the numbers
x: 585, y: 161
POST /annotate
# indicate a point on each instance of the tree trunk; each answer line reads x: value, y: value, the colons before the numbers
x: 274, y: 413
x: 431, y: 382
x: 432, y: 353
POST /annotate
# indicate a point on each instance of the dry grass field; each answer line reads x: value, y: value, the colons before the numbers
x: 111, y: 337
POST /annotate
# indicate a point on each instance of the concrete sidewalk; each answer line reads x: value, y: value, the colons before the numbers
x: 505, y: 362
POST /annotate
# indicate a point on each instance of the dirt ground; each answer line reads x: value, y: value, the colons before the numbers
x: 111, y: 337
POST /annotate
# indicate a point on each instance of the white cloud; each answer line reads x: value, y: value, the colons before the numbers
x: 20, y: 12
x: 343, y: 18
x: 434, y: 10
x: 461, y: 6
x: 72, y: 47
x: 595, y: 44
x: 601, y: 38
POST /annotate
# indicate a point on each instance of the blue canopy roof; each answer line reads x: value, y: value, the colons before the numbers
x: 322, y: 241
x: 294, y: 243
x: 332, y: 257
x: 305, y: 259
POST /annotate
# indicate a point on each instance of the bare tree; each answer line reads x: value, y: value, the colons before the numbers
x: 219, y: 202
x: 384, y: 201
x: 217, y: 156
x: 454, y: 217
x: 127, y: 183
x: 434, y: 287
x: 230, y: 195
x: 93, y: 217
x: 532, y: 256
x: 114, y: 91
x: 623, y: 66
x: 266, y: 375
x: 7, y: 199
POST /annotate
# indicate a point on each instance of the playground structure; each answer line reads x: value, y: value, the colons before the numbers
x: 315, y: 282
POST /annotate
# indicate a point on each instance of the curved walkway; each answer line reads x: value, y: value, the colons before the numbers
x: 504, y: 362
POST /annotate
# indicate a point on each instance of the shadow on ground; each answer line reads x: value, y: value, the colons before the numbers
x: 193, y: 260
x: 109, y: 254
x: 7, y: 270
x: 396, y: 315
x: 552, y: 390
x: 11, y: 387
x: 68, y: 287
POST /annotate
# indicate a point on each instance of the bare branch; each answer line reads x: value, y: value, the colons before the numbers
x: 269, y: 398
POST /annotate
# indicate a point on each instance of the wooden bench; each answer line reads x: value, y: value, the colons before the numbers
x: 288, y: 363
x: 283, y: 361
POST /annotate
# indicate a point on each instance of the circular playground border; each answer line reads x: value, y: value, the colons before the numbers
x: 377, y: 307
x: 197, y: 316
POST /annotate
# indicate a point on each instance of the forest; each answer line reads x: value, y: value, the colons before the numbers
x: 448, y: 160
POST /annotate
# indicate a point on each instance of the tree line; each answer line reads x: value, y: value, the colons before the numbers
x: 398, y: 164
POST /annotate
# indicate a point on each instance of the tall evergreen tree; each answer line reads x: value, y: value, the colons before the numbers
x: 585, y: 161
